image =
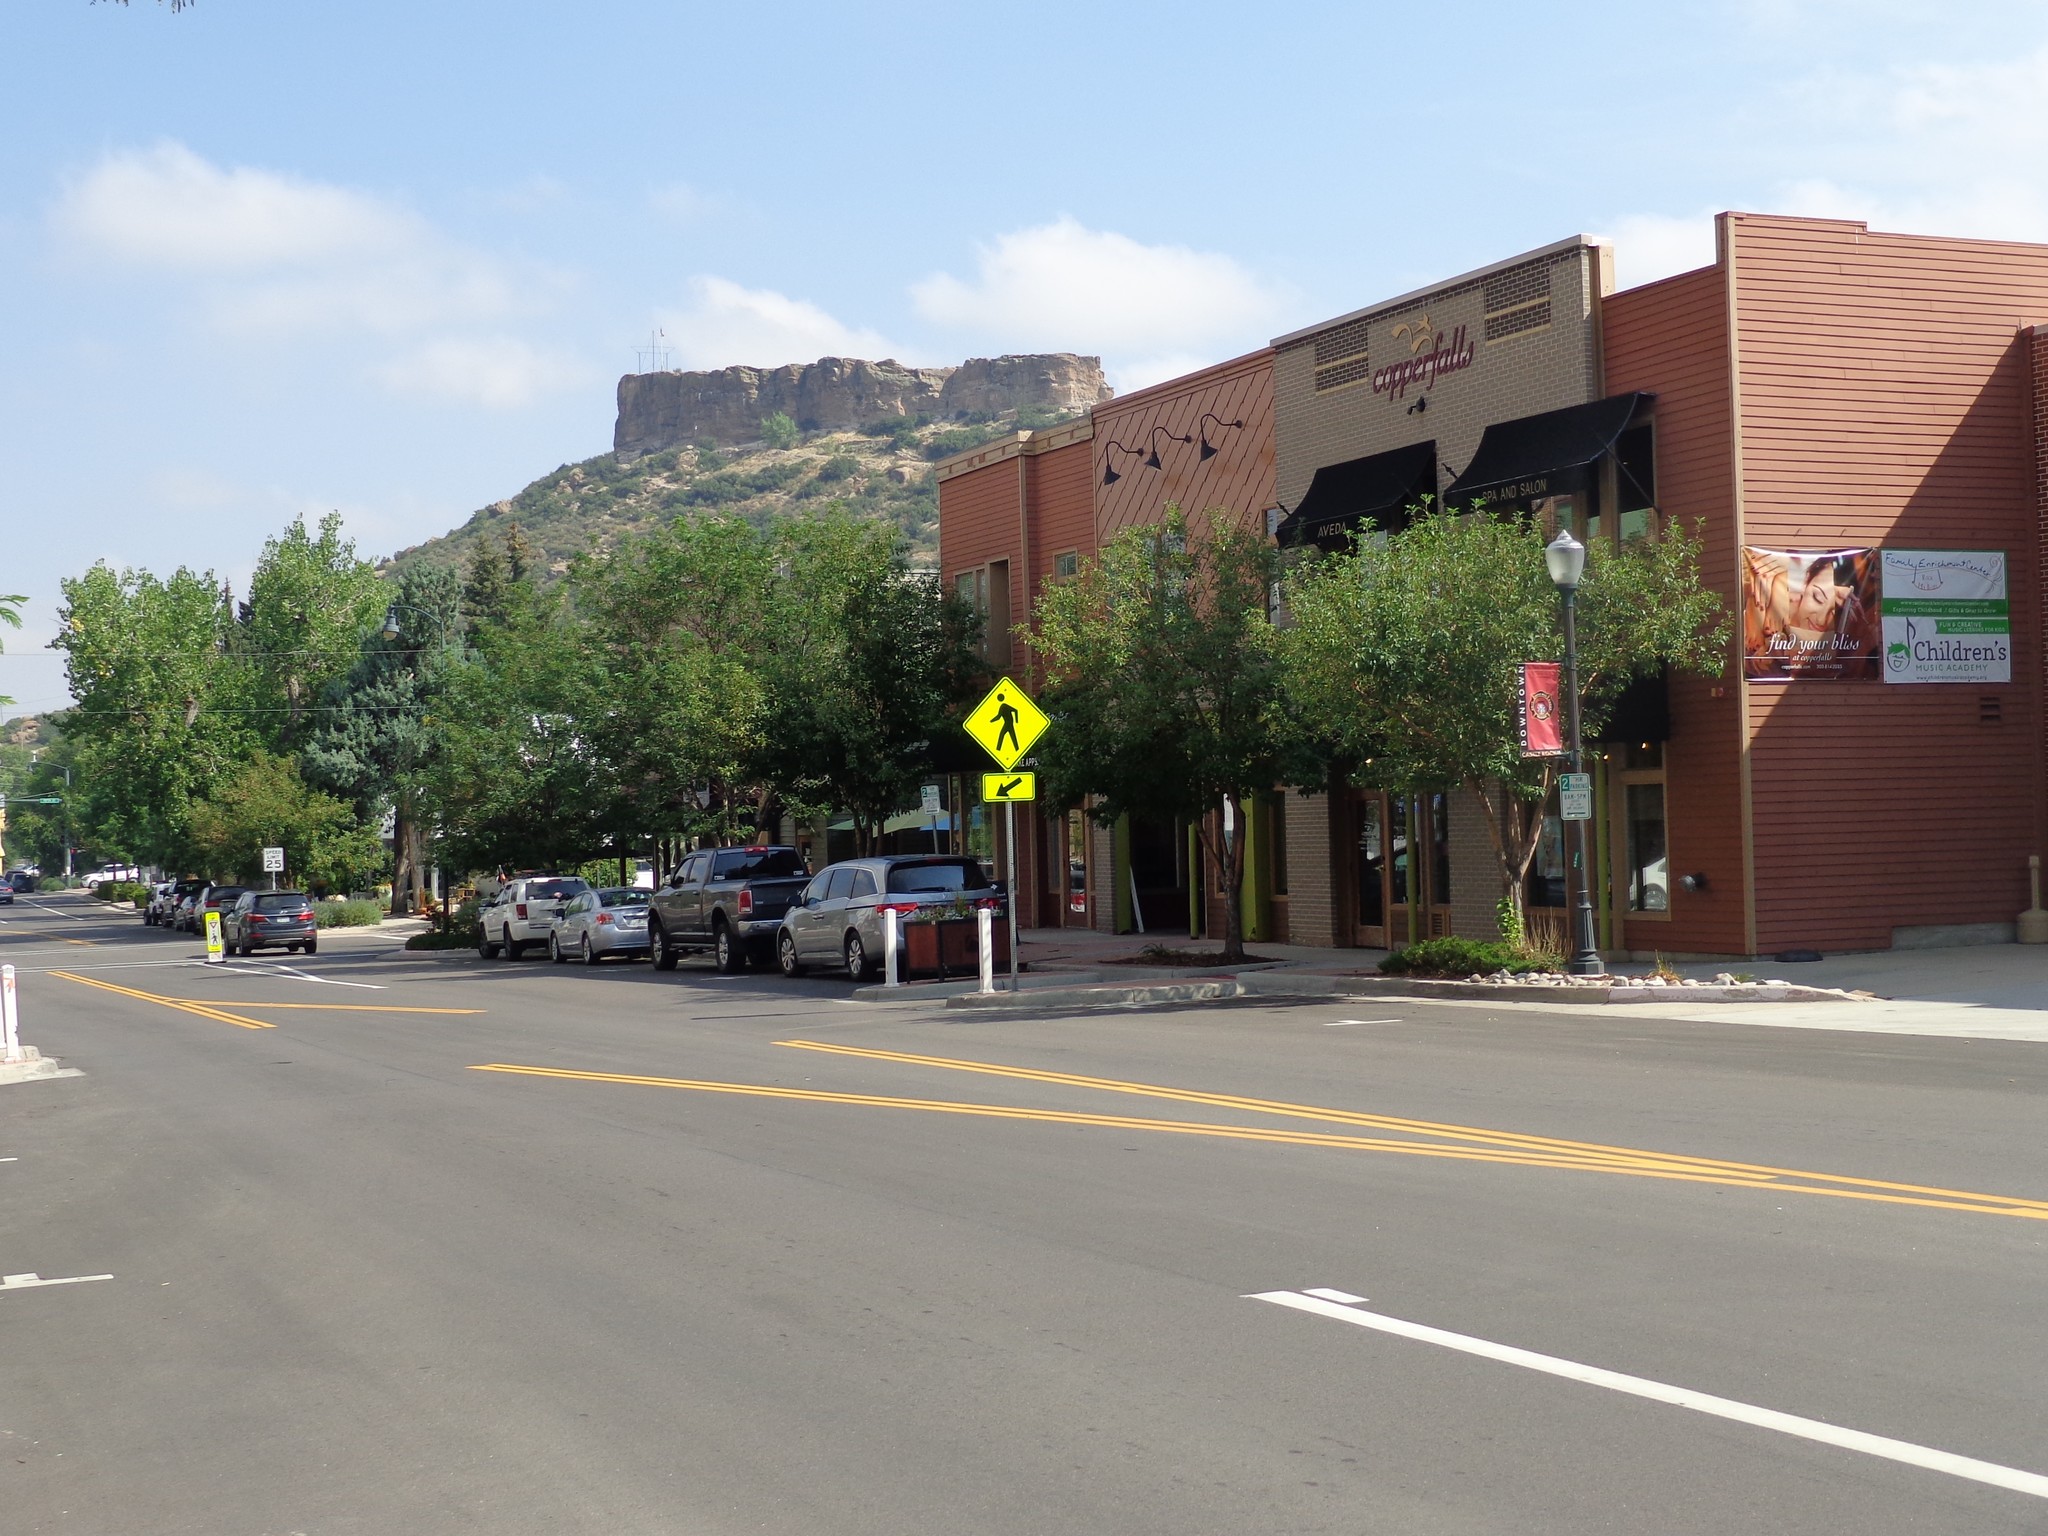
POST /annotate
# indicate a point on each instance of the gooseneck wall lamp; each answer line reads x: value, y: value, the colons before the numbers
x: 1209, y: 449
x: 1109, y: 474
x: 1152, y: 458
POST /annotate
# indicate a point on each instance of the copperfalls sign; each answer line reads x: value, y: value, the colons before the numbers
x: 1431, y: 354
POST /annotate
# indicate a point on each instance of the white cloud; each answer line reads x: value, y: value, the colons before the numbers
x: 1063, y: 286
x: 726, y: 324
x: 1648, y: 246
x: 501, y: 372
x: 261, y: 256
x: 167, y: 207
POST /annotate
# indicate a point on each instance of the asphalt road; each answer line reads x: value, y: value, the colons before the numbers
x: 691, y: 1277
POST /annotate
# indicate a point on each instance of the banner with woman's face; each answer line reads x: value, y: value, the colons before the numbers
x: 1810, y: 615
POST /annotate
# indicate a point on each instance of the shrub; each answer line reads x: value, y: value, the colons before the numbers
x: 54, y: 883
x: 708, y: 456
x: 1458, y: 957
x: 838, y: 467
x: 461, y: 932
x: 347, y: 914
x: 778, y: 431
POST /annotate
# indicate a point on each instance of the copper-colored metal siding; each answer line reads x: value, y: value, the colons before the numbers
x: 1885, y: 400
x: 1671, y: 338
x: 1062, y: 509
x: 1238, y: 479
x: 978, y: 517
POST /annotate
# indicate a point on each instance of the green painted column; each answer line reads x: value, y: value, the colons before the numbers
x: 1252, y: 892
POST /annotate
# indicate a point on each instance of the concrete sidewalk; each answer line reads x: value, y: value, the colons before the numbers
x: 1977, y: 992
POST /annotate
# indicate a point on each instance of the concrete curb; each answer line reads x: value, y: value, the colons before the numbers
x: 34, y: 1067
x: 1285, y: 984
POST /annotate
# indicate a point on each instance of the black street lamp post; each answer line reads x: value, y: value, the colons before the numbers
x: 1566, y: 557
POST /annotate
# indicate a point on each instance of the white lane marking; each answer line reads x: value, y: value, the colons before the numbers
x: 30, y: 1280
x: 55, y: 913
x: 1329, y: 1295
x: 275, y: 966
x: 9, y: 1159
x: 1925, y: 1457
x: 1338, y: 1023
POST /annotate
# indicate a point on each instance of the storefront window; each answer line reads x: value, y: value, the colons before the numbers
x: 1440, y: 850
x: 1635, y: 482
x: 1397, y: 806
x: 1649, y: 888
x: 1276, y: 842
x: 1372, y: 865
x: 1546, y: 883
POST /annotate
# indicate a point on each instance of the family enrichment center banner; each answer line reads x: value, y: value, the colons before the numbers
x: 1810, y: 615
x: 1945, y: 617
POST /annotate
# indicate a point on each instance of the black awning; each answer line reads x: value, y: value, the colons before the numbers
x: 1640, y: 712
x: 1375, y: 491
x: 1543, y: 455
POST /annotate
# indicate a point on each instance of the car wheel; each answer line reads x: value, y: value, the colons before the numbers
x: 512, y: 948
x: 590, y: 956
x: 727, y: 953
x: 555, y: 950
x: 858, y: 967
x: 246, y: 949
x: 484, y: 946
x: 312, y: 946
x: 785, y: 956
x: 660, y: 950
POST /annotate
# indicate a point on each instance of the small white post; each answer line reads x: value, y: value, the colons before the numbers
x: 985, y: 923
x: 890, y: 948
x: 10, y: 1017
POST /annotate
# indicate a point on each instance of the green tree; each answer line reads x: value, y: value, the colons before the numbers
x: 868, y: 661
x: 778, y: 431
x: 264, y: 803
x: 1164, y: 679
x: 678, y: 622
x: 10, y: 615
x: 375, y: 738
x: 1406, y: 650
x: 311, y: 601
x: 162, y: 705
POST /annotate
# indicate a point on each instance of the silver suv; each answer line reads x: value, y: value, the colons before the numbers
x: 837, y: 921
x: 522, y: 913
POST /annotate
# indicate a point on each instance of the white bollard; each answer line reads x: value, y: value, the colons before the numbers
x: 10, y: 1017
x: 890, y: 948
x: 985, y: 923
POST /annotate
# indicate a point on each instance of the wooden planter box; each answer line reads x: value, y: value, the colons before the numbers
x: 950, y: 949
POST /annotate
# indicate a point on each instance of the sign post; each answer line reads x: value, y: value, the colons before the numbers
x: 273, y: 864
x: 1575, y: 797
x: 1006, y: 724
x: 928, y: 802
x: 216, y: 954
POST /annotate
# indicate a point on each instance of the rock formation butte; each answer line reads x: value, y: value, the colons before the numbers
x: 659, y: 411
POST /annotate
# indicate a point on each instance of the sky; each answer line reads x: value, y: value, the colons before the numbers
x: 261, y: 259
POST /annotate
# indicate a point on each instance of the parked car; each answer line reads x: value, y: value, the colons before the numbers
x: 598, y: 923
x: 178, y: 915
x: 728, y: 900
x: 22, y: 881
x: 162, y: 909
x: 837, y: 921
x: 522, y: 913
x: 270, y: 920
x: 6, y: 894
x: 106, y: 872
x: 215, y: 898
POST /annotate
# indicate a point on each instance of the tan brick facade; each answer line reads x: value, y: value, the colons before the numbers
x: 1341, y: 391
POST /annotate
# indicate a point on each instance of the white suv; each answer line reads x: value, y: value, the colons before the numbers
x: 523, y: 913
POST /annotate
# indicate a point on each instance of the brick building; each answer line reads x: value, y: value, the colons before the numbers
x: 1876, y: 400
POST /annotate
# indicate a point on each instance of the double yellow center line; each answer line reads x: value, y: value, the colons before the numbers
x: 1409, y: 1137
x: 213, y: 1010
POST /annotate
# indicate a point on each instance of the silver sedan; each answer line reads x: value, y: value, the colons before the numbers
x: 595, y: 924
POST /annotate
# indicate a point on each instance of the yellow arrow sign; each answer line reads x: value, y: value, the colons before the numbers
x: 1006, y: 723
x: 998, y: 787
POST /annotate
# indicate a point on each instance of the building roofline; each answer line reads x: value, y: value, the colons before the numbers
x: 1020, y: 442
x: 1400, y: 301
x: 1182, y: 382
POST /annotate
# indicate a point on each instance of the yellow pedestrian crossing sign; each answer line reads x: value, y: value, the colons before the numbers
x: 1006, y: 723
x: 999, y: 787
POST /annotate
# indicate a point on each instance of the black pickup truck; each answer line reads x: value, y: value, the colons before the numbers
x: 727, y: 900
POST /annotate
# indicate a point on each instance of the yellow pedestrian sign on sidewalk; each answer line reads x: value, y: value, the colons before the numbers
x: 996, y: 788
x: 1006, y: 723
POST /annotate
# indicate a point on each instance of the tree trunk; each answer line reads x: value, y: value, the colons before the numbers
x: 1515, y: 827
x: 1227, y: 854
x: 401, y: 858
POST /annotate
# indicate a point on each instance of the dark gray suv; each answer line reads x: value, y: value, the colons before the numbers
x: 270, y: 920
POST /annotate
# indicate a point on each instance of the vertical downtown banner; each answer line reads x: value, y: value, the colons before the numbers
x: 1946, y: 618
